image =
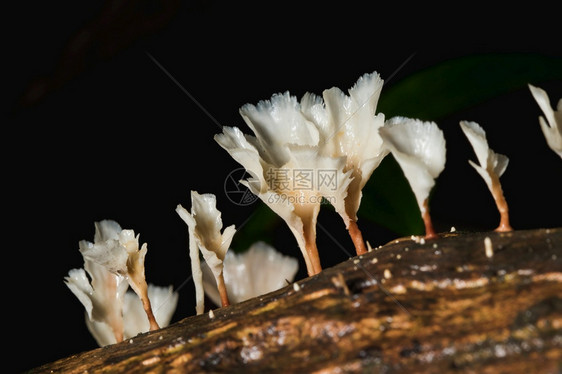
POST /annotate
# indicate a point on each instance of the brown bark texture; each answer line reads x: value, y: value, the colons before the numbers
x: 464, y: 302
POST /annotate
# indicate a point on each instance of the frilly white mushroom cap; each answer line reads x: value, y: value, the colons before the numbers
x: 276, y: 184
x: 212, y: 243
x: 106, y: 263
x: 102, y: 298
x: 285, y: 143
x: 348, y: 126
x: 204, y: 225
x: 243, y: 149
x: 257, y: 271
x: 106, y: 249
x: 490, y: 162
x: 115, y: 249
x: 113, y: 263
x: 106, y: 230
x: 118, y: 251
x: 164, y: 300
x: 552, y: 126
x: 419, y: 149
x: 276, y: 123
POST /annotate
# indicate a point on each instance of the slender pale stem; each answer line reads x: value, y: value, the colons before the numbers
x: 138, y: 284
x: 314, y: 266
x: 222, y: 290
x: 148, y: 310
x: 357, y: 238
x: 501, y: 203
x: 309, y: 267
x: 116, y: 316
x: 429, y: 231
x: 314, y: 259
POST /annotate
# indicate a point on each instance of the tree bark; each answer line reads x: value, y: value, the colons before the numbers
x: 414, y: 305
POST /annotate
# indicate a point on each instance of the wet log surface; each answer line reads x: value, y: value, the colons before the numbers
x: 443, y: 305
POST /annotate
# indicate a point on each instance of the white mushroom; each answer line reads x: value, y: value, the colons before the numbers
x: 102, y: 297
x: 257, y: 271
x: 288, y: 173
x: 419, y: 149
x: 118, y: 251
x: 492, y: 166
x: 552, y: 126
x: 204, y: 225
x: 134, y: 318
x: 348, y: 127
x: 113, y: 263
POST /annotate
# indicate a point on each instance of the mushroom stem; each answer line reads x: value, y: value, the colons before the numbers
x: 429, y: 231
x: 222, y: 290
x: 501, y: 203
x: 116, y: 322
x: 118, y: 335
x: 357, y: 238
x: 148, y: 310
x: 139, y: 285
x: 313, y: 265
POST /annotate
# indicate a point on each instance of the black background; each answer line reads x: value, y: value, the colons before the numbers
x: 112, y: 107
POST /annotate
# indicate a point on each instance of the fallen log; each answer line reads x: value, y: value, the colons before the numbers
x: 465, y: 302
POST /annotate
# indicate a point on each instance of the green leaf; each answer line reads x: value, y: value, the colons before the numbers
x: 389, y: 201
x: 457, y: 84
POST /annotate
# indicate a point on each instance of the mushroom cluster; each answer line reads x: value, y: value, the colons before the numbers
x: 224, y: 275
x: 301, y: 154
x: 112, y: 263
